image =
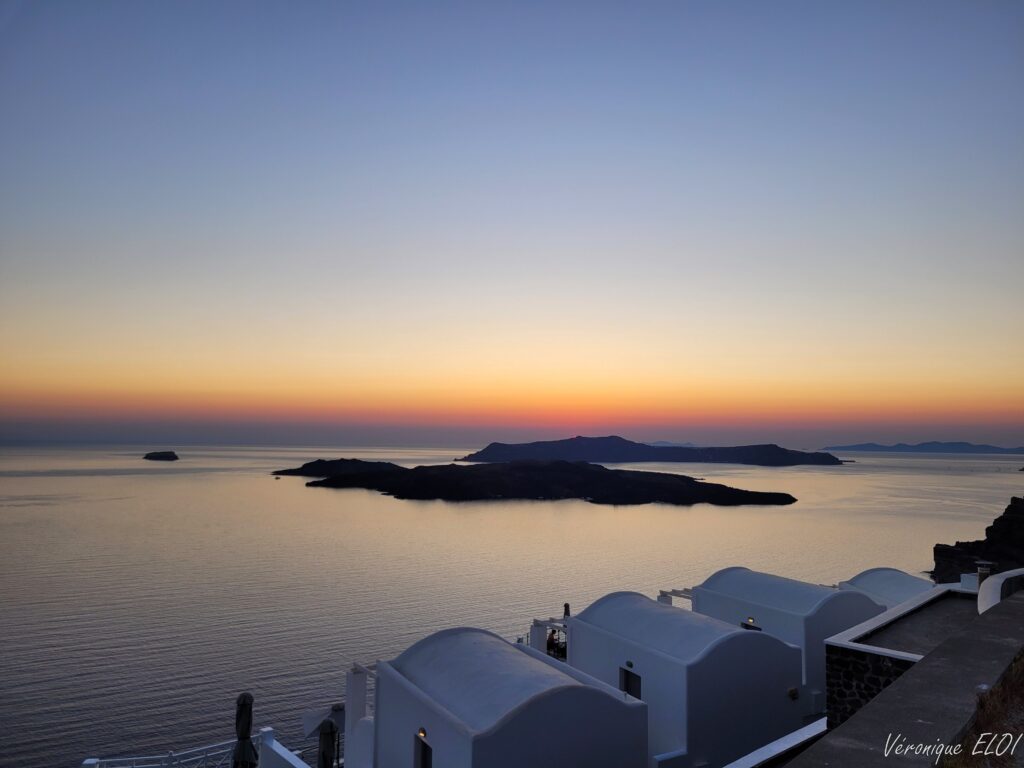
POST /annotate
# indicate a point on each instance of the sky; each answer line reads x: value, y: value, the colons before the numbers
x: 796, y: 222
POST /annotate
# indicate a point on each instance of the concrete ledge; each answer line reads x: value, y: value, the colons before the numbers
x: 854, y: 637
x: 773, y: 753
x: 999, y: 586
x: 932, y: 703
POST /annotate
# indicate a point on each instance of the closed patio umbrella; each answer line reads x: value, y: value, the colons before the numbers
x: 312, y: 720
x: 245, y: 753
x: 325, y: 753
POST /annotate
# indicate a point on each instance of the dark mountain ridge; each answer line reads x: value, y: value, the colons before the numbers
x: 930, y: 447
x: 614, y: 449
x: 330, y: 467
x: 548, y: 480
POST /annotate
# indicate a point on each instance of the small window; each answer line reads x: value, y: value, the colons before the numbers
x: 424, y: 754
x: 629, y: 682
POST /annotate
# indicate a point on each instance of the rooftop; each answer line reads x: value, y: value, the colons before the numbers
x: 933, y: 701
x: 674, y: 631
x: 888, y: 586
x: 922, y: 629
x: 769, y: 590
x: 476, y: 675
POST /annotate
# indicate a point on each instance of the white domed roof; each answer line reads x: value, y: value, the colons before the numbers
x: 769, y: 590
x: 476, y: 675
x: 677, y: 632
x: 887, y: 586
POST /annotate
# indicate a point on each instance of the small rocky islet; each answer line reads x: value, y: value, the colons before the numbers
x: 161, y: 456
x: 528, y: 480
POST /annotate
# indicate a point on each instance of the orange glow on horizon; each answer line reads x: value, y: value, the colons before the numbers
x: 578, y: 387
x: 573, y: 410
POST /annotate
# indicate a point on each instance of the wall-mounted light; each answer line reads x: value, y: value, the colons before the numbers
x: 629, y: 664
x: 749, y: 624
x: 422, y: 733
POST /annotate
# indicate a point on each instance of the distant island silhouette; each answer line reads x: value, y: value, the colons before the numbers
x: 331, y: 467
x: 161, y: 456
x: 528, y: 480
x: 614, y: 449
x: 930, y: 447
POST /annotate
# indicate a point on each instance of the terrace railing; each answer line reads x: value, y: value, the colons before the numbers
x: 211, y: 756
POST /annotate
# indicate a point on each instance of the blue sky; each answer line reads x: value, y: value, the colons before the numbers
x: 833, y: 189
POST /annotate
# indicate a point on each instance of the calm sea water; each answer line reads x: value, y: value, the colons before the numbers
x: 138, y: 599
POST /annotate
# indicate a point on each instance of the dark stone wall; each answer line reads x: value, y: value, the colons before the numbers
x: 853, y: 678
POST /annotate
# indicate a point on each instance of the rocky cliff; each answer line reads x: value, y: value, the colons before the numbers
x: 1003, y: 545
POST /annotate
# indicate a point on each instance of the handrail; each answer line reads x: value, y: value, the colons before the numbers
x: 999, y: 586
x: 211, y: 756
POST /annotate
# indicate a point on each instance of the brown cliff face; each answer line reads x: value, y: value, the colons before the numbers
x: 1003, y: 545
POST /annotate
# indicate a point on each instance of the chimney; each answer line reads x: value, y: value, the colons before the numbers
x: 984, y: 570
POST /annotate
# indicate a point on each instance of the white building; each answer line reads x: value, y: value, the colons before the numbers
x: 465, y: 697
x: 888, y: 586
x: 714, y: 691
x: 797, y: 612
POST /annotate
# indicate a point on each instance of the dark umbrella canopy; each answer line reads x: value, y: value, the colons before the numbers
x: 312, y: 720
x: 245, y: 753
x: 325, y: 753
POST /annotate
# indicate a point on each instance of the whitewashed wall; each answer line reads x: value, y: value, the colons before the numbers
x: 725, y: 703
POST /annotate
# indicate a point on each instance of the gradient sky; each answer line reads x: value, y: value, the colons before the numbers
x: 714, y: 221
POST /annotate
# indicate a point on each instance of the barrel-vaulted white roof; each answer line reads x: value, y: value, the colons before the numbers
x: 769, y: 590
x: 887, y: 586
x: 476, y: 675
x: 674, y: 631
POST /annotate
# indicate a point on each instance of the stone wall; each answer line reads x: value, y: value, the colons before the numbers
x: 855, y: 677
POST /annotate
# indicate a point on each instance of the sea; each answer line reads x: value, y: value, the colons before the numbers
x: 137, y: 599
